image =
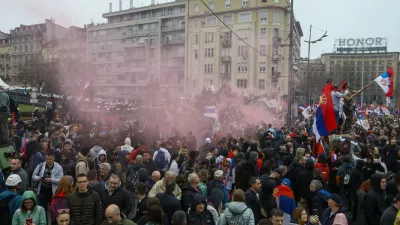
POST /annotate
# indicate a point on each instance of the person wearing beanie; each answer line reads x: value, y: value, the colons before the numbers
x: 11, y: 196
x: 335, y: 206
x: 285, y: 197
x: 319, y: 197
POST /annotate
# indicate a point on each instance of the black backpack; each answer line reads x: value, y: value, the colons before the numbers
x: 5, y: 210
x: 132, y: 178
x: 345, y: 177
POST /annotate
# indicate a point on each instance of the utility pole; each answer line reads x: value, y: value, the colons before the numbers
x: 290, y: 78
x: 308, y: 68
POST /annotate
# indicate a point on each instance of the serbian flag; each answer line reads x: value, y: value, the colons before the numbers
x: 86, y: 84
x: 325, y: 119
x: 385, y: 81
x: 342, y: 86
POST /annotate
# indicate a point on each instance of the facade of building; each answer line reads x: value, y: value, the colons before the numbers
x: 5, y: 56
x: 359, y: 69
x: 27, y: 42
x: 216, y: 56
x: 139, y: 50
x: 313, y: 83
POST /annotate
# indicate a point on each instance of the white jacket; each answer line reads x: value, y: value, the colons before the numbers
x: 56, y: 175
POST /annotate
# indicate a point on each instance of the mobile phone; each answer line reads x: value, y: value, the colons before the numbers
x: 315, y: 212
x: 29, y: 221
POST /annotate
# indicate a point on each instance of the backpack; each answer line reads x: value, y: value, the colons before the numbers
x: 345, y: 178
x: 132, y: 178
x: 5, y: 210
x: 237, y: 219
x: 160, y: 160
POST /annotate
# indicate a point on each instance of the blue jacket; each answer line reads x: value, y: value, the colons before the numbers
x: 56, y: 175
x: 15, y: 202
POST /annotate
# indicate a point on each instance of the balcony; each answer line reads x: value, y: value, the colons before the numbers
x: 176, y: 41
x: 276, y: 41
x: 226, y: 59
x: 138, y: 56
x: 172, y: 68
x: 171, y: 28
x: 276, y: 74
x: 226, y: 42
x: 226, y: 75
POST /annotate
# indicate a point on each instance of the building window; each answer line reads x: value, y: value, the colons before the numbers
x: 276, y: 1
x: 244, y: 34
x: 211, y: 21
x: 228, y: 19
x: 244, y: 17
x: 276, y: 33
x: 243, y: 51
x: 212, y: 4
x: 261, y: 84
x: 245, y: 3
x: 196, y: 38
x: 277, y: 16
x: 263, y: 33
x: 208, y: 68
x: 209, y: 37
x: 196, y: 8
x: 242, y: 67
x: 227, y: 4
x: 209, y: 52
x: 120, y: 65
x: 241, y: 83
x: 263, y: 50
x: 196, y: 54
x: 263, y: 66
x: 263, y: 1
x: 196, y: 23
x: 263, y: 16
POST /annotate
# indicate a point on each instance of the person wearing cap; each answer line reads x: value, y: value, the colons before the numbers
x: 11, y: 196
x: 218, y: 182
x: 335, y: 206
x: 390, y: 214
x: 285, y: 197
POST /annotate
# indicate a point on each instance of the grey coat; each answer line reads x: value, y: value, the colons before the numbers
x: 234, y: 208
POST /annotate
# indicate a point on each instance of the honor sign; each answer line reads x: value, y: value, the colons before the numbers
x: 361, y: 44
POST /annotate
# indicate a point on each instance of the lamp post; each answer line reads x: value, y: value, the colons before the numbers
x: 308, y: 60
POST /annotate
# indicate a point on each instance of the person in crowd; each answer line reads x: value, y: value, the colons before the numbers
x: 218, y: 182
x: 390, y: 214
x: 136, y: 173
x: 59, y: 199
x: 198, y: 213
x: 29, y: 210
x: 128, y: 146
x: 335, y: 206
x: 162, y: 158
x: 82, y: 161
x: 285, y: 198
x: 253, y: 198
x: 142, y: 201
x: 10, y: 198
x: 214, y: 203
x: 302, y: 191
x: 319, y: 197
x: 104, y: 174
x: 343, y: 179
x: 85, y: 204
x: 155, y: 177
x: 365, y: 187
x: 237, y: 211
x: 268, y: 201
x: 376, y: 201
x: 155, y: 215
x: 93, y: 182
x: 112, y: 193
x: 190, y: 190
x: 300, y: 217
x: 194, y: 157
x: 323, y: 166
x: 95, y: 151
x: 179, y: 218
x: 203, y: 176
x: 340, y: 219
x: 114, y: 215
x: 277, y: 217
x: 68, y: 164
x: 148, y: 162
x: 143, y: 220
x: 169, y: 203
x: 15, y: 165
x: 40, y: 156
x: 63, y: 217
x: 174, y: 165
x: 159, y: 187
x: 47, y: 175
x: 123, y: 164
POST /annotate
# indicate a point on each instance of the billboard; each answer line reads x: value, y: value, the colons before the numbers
x: 370, y: 44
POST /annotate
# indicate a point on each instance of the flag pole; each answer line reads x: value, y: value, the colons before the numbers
x: 358, y: 92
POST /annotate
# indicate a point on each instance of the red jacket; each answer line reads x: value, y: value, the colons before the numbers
x: 324, y: 169
x: 259, y: 164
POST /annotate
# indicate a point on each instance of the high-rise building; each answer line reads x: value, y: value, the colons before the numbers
x: 139, y: 50
x: 27, y: 42
x: 5, y: 55
x: 216, y: 56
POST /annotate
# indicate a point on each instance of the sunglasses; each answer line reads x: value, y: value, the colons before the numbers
x: 61, y: 211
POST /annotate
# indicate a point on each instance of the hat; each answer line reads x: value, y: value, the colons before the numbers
x: 336, y: 198
x: 278, y: 170
x: 13, y: 180
x: 106, y: 166
x: 208, y: 140
x: 218, y: 174
x: 286, y: 182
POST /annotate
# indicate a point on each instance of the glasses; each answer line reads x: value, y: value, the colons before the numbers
x: 82, y: 182
x: 61, y: 211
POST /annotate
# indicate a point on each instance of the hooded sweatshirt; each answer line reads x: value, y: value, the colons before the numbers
x: 376, y: 201
x: 101, y: 152
x: 127, y: 147
x: 237, y: 208
x: 122, y: 162
x: 82, y: 164
x: 37, y: 214
x: 94, y: 152
x: 205, y: 218
x: 14, y: 201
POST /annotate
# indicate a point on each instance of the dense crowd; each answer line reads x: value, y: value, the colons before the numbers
x: 75, y: 173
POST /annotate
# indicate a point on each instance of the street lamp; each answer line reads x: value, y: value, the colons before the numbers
x: 308, y: 60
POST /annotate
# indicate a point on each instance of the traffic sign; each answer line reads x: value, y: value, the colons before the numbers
x: 33, y: 100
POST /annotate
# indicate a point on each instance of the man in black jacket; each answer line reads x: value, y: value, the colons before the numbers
x: 190, y: 191
x: 253, y: 199
x: 113, y: 193
x: 85, y: 205
x: 142, y: 201
x: 169, y: 203
x: 376, y: 201
x: 389, y: 216
x: 336, y: 206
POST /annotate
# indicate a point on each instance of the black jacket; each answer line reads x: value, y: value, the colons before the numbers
x: 141, y: 208
x: 268, y: 202
x: 320, y: 202
x: 393, y: 164
x: 375, y: 202
x: 294, y: 172
x: 150, y: 166
x: 169, y: 204
x: 254, y: 204
x: 120, y: 197
x: 205, y: 218
x: 389, y: 216
x: 85, y: 208
x: 212, y: 184
x: 188, y: 194
x: 327, y: 218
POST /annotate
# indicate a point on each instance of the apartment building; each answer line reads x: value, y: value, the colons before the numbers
x: 139, y: 50
x: 216, y: 56
x: 5, y: 62
x: 27, y: 42
x: 361, y: 68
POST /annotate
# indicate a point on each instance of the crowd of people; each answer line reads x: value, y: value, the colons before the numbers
x: 77, y: 174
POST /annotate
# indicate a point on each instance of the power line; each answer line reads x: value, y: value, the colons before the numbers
x: 234, y: 32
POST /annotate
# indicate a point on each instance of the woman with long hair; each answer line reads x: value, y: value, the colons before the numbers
x: 59, y: 199
x: 203, y: 175
x: 29, y: 210
x: 300, y: 217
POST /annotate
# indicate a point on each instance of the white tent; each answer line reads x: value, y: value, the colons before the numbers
x: 3, y: 84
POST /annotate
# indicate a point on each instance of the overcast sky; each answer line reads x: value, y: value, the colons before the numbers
x: 342, y: 18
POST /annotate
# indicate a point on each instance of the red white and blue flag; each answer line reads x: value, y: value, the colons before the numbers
x: 385, y: 81
x: 86, y: 84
